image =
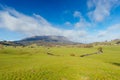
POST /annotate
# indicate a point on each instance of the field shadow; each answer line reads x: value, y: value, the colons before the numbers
x: 117, y: 64
x: 88, y: 54
x: 52, y: 54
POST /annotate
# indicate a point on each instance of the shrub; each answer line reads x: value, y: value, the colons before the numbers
x: 72, y: 54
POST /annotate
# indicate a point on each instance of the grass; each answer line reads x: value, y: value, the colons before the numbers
x: 34, y: 64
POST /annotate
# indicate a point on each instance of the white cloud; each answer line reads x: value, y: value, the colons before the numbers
x: 102, y: 33
x: 100, y: 9
x: 75, y: 35
x: 68, y: 23
x: 82, y: 23
x: 34, y: 25
x: 77, y: 14
x: 112, y: 32
x: 114, y: 27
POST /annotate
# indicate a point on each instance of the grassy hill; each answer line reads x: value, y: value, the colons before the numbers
x: 34, y: 64
x: 112, y: 42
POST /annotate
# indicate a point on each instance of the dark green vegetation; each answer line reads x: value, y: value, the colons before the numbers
x: 65, y: 63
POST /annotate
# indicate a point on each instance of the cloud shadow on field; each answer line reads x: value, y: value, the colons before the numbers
x: 117, y: 64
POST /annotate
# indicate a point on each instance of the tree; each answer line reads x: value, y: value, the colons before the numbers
x: 100, y: 50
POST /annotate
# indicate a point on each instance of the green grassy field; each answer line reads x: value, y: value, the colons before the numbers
x: 34, y: 64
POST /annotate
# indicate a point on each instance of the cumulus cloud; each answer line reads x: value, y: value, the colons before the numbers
x: 15, y: 21
x: 37, y: 25
x: 34, y: 25
x: 77, y: 14
x: 68, y: 23
x: 100, y: 9
x: 82, y: 23
x: 115, y: 27
x: 102, y: 33
x: 112, y: 32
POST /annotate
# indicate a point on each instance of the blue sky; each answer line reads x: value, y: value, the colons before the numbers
x: 78, y: 20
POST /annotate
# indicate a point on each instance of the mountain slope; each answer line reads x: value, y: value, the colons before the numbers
x: 47, y: 39
x: 39, y: 40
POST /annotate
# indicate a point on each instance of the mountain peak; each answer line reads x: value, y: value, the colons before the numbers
x: 48, y: 39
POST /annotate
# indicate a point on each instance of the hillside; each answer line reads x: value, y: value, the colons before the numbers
x: 48, y: 39
x: 45, y: 40
x: 39, y: 40
x: 116, y: 41
x: 112, y: 42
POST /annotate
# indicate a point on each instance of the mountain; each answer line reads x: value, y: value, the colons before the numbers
x: 40, y: 40
x: 60, y: 39
x: 45, y: 40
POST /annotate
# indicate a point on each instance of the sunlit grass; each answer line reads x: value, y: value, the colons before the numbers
x: 34, y: 64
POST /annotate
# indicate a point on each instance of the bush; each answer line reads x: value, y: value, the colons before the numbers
x: 72, y: 54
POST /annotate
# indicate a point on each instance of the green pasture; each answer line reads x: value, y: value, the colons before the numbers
x: 25, y: 63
